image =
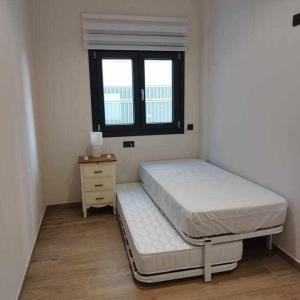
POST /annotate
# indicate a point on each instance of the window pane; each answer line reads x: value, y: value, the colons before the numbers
x: 118, y: 91
x: 158, y: 91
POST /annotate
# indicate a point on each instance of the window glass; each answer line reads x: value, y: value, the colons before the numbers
x: 158, y: 91
x: 118, y: 91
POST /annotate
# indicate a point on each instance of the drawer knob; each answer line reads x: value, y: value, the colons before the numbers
x: 99, y: 198
x: 98, y: 172
x: 97, y: 185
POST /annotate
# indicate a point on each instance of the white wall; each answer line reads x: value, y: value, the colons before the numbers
x: 64, y: 92
x: 254, y: 98
x: 21, y: 208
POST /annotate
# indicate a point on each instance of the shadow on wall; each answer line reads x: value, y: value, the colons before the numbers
x: 74, y: 193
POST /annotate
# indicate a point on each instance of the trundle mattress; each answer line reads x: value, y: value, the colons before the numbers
x: 155, y: 244
x: 203, y: 200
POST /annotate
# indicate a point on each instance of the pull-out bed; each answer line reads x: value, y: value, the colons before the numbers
x: 155, y: 250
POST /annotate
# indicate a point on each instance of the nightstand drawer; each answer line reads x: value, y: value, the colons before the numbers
x: 98, y: 184
x: 105, y: 197
x: 97, y: 171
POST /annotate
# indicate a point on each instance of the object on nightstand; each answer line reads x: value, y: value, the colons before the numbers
x: 96, y: 143
x: 98, y: 181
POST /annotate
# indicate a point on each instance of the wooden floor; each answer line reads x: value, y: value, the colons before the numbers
x: 78, y: 258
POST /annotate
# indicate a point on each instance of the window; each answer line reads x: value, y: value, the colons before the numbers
x: 137, y: 92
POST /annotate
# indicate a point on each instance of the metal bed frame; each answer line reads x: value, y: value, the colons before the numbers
x: 209, y: 241
x: 225, y: 238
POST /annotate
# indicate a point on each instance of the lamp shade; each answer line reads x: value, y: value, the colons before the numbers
x: 96, y: 138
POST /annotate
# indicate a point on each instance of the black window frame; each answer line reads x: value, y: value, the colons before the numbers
x: 139, y: 127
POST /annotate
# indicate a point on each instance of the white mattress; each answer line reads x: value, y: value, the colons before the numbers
x: 155, y: 245
x: 202, y: 200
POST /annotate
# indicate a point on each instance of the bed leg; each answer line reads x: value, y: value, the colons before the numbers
x: 269, y: 242
x: 207, y: 260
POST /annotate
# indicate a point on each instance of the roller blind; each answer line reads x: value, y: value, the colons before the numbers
x: 120, y: 32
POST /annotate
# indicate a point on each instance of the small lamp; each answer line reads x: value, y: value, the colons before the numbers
x: 96, y: 140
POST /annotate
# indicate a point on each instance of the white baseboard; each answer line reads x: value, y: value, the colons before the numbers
x: 290, y: 258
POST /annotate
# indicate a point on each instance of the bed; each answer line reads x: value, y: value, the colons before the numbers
x: 202, y: 200
x: 155, y: 249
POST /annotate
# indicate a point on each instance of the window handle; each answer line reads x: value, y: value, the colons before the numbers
x: 143, y: 94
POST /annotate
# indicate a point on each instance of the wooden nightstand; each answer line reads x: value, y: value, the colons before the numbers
x: 98, y: 182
